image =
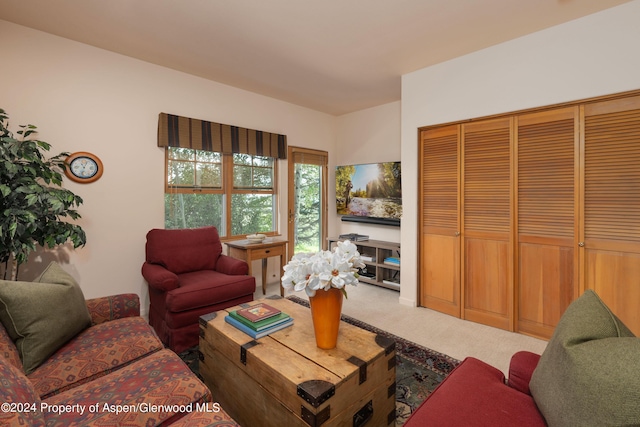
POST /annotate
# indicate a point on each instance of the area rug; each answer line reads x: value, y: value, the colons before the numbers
x: 419, y: 370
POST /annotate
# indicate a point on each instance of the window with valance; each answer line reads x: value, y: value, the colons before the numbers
x: 221, y: 175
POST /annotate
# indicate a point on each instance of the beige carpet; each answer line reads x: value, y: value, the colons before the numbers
x: 439, y: 332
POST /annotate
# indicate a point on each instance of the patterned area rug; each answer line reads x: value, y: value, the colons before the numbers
x: 418, y: 369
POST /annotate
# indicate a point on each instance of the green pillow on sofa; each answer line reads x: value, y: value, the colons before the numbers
x: 589, y: 374
x: 41, y: 316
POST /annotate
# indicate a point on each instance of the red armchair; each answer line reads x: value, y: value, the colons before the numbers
x: 188, y: 276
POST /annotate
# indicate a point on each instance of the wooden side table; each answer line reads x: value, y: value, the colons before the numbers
x: 248, y: 251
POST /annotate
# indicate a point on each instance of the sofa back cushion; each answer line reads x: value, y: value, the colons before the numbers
x: 41, y: 316
x: 589, y: 374
x: 184, y: 250
x: 21, y: 404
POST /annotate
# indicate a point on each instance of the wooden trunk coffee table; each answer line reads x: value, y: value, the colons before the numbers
x: 284, y: 379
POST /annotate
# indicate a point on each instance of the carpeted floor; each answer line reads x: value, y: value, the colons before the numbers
x: 418, y: 369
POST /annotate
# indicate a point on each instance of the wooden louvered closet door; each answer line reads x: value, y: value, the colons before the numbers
x: 611, y: 234
x: 487, y: 255
x: 547, y: 154
x: 439, y: 257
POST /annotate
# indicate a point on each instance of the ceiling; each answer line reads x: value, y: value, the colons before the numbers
x: 335, y: 56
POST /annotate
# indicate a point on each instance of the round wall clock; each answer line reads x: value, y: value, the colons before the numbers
x: 83, y: 167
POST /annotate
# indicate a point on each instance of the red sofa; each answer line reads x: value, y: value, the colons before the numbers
x: 477, y: 394
x: 188, y: 277
x: 588, y: 375
x: 113, y: 373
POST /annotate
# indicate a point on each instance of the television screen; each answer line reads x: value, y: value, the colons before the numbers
x: 369, y: 190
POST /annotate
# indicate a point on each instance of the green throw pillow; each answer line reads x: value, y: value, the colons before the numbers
x: 589, y: 374
x: 41, y: 316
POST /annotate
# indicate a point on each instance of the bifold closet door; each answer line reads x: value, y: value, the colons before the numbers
x: 439, y: 257
x: 611, y: 235
x: 547, y: 268
x: 487, y: 254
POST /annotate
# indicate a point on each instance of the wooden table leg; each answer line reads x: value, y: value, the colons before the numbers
x: 281, y: 271
x: 264, y: 276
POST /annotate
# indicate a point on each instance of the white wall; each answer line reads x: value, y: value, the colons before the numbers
x: 87, y: 99
x: 367, y: 136
x: 591, y: 56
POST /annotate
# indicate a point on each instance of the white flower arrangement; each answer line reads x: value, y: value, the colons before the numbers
x: 323, y: 270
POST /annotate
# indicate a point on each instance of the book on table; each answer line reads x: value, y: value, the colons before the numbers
x: 258, y: 312
x: 258, y: 334
x: 261, y: 324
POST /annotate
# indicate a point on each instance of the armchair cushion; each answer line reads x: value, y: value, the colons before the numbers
x: 206, y: 288
x: 589, y: 373
x: 184, y: 250
x: 41, y: 316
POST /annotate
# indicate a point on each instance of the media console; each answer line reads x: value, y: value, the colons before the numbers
x: 382, y: 260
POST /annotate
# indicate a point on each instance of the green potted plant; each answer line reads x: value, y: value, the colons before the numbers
x: 33, y: 204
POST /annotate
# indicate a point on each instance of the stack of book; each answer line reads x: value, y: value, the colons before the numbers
x: 392, y: 261
x: 259, y: 320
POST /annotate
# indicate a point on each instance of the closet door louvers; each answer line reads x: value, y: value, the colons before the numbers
x: 487, y: 256
x: 547, y: 147
x: 439, y: 256
x: 611, y: 234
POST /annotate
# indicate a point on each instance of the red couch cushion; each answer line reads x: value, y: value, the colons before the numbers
x: 157, y: 388
x: 184, y: 250
x: 476, y: 394
x: 95, y: 352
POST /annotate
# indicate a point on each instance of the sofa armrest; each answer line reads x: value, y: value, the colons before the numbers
x: 232, y: 266
x: 521, y: 368
x: 104, y: 309
x: 159, y: 277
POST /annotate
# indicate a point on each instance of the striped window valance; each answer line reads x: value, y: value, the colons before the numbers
x: 177, y: 131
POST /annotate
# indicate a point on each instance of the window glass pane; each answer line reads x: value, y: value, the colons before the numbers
x: 308, y: 208
x: 263, y: 161
x: 242, y: 176
x: 209, y: 175
x: 181, y: 153
x: 180, y: 173
x: 252, y: 171
x: 208, y: 156
x: 262, y: 178
x: 194, y: 210
x: 242, y: 159
x: 252, y: 213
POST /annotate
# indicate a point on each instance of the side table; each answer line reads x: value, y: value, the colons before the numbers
x: 249, y: 251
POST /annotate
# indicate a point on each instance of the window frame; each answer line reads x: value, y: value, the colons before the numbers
x: 227, y: 189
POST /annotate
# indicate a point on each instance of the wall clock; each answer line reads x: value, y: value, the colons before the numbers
x: 83, y: 167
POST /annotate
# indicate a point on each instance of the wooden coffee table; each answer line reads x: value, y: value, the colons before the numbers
x: 284, y: 379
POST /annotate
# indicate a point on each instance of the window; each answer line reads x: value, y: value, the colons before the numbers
x: 233, y: 192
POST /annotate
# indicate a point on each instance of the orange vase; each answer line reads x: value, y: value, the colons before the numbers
x: 326, y: 307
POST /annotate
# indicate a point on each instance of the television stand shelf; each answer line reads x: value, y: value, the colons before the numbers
x: 382, y: 260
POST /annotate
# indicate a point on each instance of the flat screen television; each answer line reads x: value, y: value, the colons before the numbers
x: 370, y: 193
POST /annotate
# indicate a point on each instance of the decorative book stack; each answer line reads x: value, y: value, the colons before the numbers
x: 259, y: 320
